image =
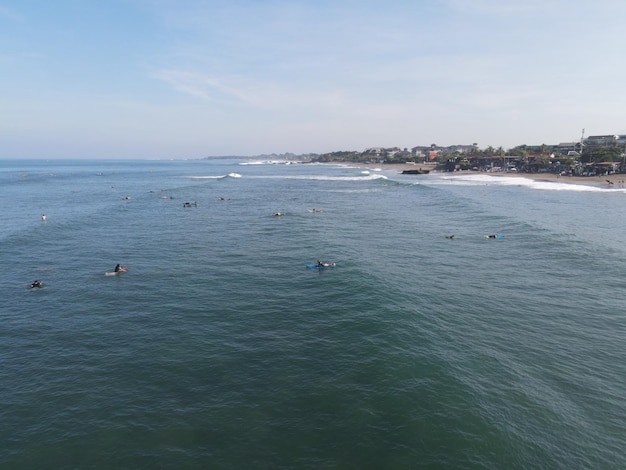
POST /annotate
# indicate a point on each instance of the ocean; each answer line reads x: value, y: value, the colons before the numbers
x: 220, y: 349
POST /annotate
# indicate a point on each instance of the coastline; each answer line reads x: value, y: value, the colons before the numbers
x: 616, y: 181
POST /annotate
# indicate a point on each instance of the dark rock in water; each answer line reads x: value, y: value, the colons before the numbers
x: 415, y: 172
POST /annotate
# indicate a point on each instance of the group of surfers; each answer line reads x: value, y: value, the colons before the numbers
x: 278, y: 214
x: 493, y: 235
x: 319, y: 263
x: 38, y: 283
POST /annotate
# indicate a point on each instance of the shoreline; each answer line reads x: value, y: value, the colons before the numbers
x: 616, y: 181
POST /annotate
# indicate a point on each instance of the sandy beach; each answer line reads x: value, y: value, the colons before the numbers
x: 610, y: 180
x: 618, y: 180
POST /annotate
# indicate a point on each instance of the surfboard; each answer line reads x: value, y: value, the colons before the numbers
x: 113, y: 273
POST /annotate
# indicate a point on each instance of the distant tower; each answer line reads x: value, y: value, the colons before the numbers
x: 582, y: 144
x: 582, y: 139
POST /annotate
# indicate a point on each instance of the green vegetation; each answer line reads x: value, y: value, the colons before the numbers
x: 574, y: 158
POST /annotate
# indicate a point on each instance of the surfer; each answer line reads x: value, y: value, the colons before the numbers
x: 493, y: 236
x: 36, y: 283
x: 320, y: 264
x: 43, y: 217
x: 451, y: 237
x: 118, y: 268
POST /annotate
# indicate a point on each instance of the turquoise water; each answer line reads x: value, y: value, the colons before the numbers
x: 220, y: 349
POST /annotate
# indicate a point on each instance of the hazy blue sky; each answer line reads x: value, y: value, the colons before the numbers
x: 192, y: 78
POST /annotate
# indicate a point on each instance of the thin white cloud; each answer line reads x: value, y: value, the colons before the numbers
x: 198, y: 85
x: 237, y: 92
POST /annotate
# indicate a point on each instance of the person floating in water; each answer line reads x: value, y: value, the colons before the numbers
x: 36, y: 283
x: 118, y: 268
x: 43, y: 217
x: 451, y: 237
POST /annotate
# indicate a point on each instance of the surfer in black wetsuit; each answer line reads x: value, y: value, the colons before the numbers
x: 117, y: 268
x: 36, y: 284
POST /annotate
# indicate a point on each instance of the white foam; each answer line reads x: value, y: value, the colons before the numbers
x: 484, y: 179
x: 324, y: 177
x: 268, y: 162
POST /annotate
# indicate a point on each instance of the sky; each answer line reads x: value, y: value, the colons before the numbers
x: 197, y: 78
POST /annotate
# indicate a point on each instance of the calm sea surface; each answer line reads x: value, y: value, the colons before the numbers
x: 220, y: 349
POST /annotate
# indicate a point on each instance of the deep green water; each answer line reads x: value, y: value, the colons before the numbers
x: 220, y: 349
